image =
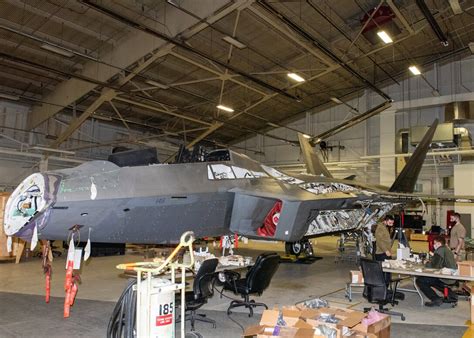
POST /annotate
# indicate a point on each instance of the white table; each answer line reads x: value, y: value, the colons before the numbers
x: 430, y: 273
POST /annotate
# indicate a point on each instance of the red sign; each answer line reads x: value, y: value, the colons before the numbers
x: 164, y: 320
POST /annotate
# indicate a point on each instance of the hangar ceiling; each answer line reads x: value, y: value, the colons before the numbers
x: 163, y: 67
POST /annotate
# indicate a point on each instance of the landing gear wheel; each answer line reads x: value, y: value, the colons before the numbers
x: 293, y: 248
x: 403, y: 318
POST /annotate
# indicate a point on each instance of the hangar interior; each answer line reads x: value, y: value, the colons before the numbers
x: 361, y: 80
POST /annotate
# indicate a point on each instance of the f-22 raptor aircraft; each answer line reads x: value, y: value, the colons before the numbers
x: 228, y: 193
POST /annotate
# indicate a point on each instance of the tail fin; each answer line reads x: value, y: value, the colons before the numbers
x: 405, y: 182
x: 313, y: 164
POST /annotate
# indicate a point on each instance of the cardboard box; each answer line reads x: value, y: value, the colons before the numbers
x: 263, y: 331
x: 356, y: 277
x: 380, y: 329
x: 419, y: 237
x: 302, y: 322
x: 466, y: 268
x: 358, y: 334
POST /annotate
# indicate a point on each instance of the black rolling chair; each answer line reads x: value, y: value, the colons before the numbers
x: 255, y: 282
x: 203, y: 288
x: 376, y: 289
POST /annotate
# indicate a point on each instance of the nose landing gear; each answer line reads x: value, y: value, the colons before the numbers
x: 299, y: 252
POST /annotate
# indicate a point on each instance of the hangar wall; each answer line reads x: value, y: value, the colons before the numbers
x: 451, y: 79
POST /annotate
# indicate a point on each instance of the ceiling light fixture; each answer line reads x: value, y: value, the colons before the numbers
x: 156, y: 84
x: 102, y: 117
x: 234, y: 42
x: 225, y: 108
x: 273, y: 125
x: 336, y: 100
x: 471, y: 47
x: 54, y: 150
x: 306, y: 136
x: 414, y: 70
x: 57, y: 50
x: 9, y: 97
x: 296, y: 77
x: 455, y: 6
x: 384, y: 37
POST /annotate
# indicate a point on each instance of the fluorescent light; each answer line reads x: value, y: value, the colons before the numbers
x: 102, y: 117
x: 234, y: 42
x: 9, y: 97
x: 58, y: 50
x: 414, y: 70
x: 455, y: 6
x: 336, y: 100
x: 54, y: 150
x: 296, y: 77
x: 384, y: 36
x: 227, y: 109
x: 306, y: 136
x: 157, y: 84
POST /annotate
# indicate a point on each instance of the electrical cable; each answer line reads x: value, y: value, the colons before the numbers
x: 228, y: 315
x: 122, y: 320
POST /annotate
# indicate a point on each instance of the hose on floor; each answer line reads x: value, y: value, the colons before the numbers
x: 122, y: 322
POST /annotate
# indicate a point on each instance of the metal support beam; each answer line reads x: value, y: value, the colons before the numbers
x: 352, y: 122
x: 134, y: 46
x: 119, y: 115
x: 153, y: 32
x: 400, y: 16
x: 23, y: 5
x: 161, y: 110
x: 210, y: 130
x: 210, y: 70
x: 107, y: 95
x: 293, y: 37
x: 75, y: 124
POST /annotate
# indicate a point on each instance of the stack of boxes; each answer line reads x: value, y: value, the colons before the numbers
x: 4, y: 254
x: 303, y: 322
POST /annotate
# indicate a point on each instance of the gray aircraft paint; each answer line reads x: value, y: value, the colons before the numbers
x: 157, y: 203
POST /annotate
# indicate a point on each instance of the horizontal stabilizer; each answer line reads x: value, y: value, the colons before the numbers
x: 313, y: 164
x: 405, y: 182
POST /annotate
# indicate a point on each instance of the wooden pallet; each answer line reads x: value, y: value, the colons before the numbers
x: 18, y: 245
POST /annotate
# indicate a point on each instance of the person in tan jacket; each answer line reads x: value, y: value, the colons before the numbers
x: 457, y: 237
x: 383, y: 242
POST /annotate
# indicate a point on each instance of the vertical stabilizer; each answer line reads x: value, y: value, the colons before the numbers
x: 313, y: 164
x: 405, y: 182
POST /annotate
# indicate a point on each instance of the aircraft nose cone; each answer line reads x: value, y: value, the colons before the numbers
x: 24, y: 203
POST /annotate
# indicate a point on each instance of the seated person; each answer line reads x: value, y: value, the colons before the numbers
x: 441, y: 258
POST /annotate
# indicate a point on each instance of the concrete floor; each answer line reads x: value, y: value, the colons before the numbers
x: 102, y: 284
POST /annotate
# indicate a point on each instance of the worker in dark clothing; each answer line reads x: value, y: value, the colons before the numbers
x: 442, y: 257
x: 383, y: 242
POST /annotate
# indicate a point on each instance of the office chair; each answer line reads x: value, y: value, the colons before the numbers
x: 256, y: 281
x: 203, y: 288
x: 376, y: 289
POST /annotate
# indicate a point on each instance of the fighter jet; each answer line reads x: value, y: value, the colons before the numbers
x: 226, y: 193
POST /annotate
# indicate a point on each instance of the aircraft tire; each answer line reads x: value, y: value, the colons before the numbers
x: 293, y: 248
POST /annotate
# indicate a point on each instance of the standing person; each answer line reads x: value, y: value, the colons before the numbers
x: 456, y: 240
x: 383, y: 242
x: 442, y: 257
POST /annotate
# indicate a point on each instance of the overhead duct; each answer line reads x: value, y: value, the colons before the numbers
x: 462, y: 111
x: 464, y: 142
x: 442, y: 138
